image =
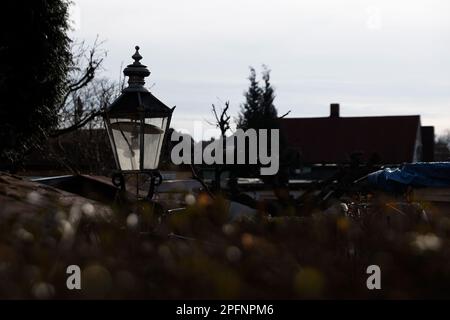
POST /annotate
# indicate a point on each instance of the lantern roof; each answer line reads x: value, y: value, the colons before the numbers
x: 135, y: 98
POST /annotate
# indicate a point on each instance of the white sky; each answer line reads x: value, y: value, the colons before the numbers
x: 384, y: 57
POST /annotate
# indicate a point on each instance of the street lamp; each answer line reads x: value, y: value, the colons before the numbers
x: 137, y: 124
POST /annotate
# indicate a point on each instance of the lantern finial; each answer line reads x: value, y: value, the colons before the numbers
x: 136, y: 56
x: 136, y: 73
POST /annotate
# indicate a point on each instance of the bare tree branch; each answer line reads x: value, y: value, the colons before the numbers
x: 222, y: 120
x: 77, y: 125
x: 284, y: 115
x: 195, y: 176
x: 94, y: 62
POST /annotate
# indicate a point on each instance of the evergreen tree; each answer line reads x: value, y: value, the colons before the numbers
x: 249, y: 110
x: 269, y: 112
x: 258, y: 110
x: 34, y: 61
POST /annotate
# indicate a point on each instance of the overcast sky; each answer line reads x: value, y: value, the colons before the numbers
x: 385, y: 57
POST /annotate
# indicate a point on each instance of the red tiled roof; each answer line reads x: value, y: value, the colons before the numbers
x: 332, y: 140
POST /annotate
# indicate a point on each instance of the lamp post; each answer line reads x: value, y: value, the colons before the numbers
x: 137, y: 124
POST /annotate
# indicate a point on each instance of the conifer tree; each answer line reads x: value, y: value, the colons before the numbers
x: 258, y: 110
x: 35, y: 58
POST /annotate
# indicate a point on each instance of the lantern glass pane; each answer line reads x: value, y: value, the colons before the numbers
x: 154, y: 131
x: 126, y: 135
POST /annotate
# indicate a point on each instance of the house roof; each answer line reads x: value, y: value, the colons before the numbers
x: 334, y: 139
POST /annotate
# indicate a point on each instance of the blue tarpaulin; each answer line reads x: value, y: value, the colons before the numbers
x: 421, y: 174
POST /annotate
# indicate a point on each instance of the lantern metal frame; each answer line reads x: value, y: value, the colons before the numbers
x: 137, y: 103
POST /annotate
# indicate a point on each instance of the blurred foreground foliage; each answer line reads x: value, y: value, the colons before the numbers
x: 197, y: 253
